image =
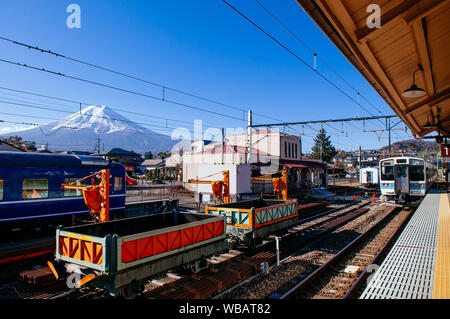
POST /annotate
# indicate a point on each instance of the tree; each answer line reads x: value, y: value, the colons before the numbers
x: 322, y: 148
x: 148, y: 155
x: 163, y: 155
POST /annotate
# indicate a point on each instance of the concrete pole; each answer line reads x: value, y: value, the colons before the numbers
x: 223, y: 142
x: 277, y: 242
x: 249, y: 137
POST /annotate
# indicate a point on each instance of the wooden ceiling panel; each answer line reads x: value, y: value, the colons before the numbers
x: 360, y: 16
x: 439, y: 53
x: 396, y: 52
x: 353, y: 7
x: 414, y: 32
x: 438, y: 23
x: 387, y: 36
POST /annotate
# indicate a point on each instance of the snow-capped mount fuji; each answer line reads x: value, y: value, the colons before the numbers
x: 80, y: 131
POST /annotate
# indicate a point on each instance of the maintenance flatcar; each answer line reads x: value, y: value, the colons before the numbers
x: 406, y: 180
x: 31, y: 192
x: 121, y: 255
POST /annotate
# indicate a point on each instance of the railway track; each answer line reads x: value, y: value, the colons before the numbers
x: 251, y: 263
x: 343, y: 275
x: 225, y: 270
x: 297, y: 266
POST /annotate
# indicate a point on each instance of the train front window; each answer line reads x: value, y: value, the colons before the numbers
x: 402, y: 171
x: 1, y: 189
x: 416, y: 171
x: 34, y: 188
x: 387, y: 171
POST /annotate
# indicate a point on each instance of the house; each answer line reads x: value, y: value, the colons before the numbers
x: 123, y: 156
x: 368, y: 175
x: 4, y: 146
x: 271, y: 151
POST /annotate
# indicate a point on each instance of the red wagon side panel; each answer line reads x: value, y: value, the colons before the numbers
x: 155, y: 244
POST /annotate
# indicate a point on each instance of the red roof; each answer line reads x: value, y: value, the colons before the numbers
x: 232, y: 149
x: 303, y: 164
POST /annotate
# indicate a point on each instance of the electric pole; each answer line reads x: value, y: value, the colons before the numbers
x: 249, y: 137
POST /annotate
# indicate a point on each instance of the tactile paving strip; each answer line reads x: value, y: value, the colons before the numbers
x: 407, y: 271
x: 441, y: 284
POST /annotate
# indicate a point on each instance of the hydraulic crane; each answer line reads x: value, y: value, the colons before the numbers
x: 279, y: 183
x: 96, y: 197
x: 221, y: 189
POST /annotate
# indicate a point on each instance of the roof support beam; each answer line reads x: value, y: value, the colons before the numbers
x: 422, y: 9
x: 431, y: 101
x: 387, y: 17
x: 420, y: 39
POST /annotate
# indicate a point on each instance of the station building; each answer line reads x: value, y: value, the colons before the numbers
x: 271, y: 151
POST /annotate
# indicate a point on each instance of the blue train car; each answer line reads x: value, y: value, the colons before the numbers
x: 30, y: 185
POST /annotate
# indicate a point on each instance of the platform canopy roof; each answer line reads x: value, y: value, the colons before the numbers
x: 413, y: 34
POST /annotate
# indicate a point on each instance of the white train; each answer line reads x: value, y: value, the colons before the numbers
x: 406, y: 180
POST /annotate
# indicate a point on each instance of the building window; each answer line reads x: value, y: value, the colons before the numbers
x: 296, y: 154
x: 34, y: 188
x: 118, y: 183
x: 285, y: 149
x: 289, y: 149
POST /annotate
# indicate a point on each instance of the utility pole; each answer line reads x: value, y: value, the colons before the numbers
x: 389, y: 130
x: 300, y: 138
x: 321, y: 141
x: 249, y: 137
x: 360, y: 158
x: 98, y: 145
x: 223, y: 142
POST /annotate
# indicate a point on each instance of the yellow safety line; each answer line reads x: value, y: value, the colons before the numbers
x: 441, y: 283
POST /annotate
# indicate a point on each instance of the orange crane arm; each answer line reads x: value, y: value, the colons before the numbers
x: 96, y: 197
x: 276, y: 182
x: 217, y: 186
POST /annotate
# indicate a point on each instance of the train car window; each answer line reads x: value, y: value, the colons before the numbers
x: 416, y: 171
x: 1, y: 189
x: 416, y: 162
x: 402, y: 171
x: 387, y: 171
x: 118, y: 183
x: 34, y: 188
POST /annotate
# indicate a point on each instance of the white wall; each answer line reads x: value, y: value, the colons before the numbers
x: 288, y: 144
x: 240, y: 177
x: 363, y: 177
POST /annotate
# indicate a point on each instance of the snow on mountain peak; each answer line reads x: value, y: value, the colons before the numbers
x: 80, y: 131
x: 100, y: 119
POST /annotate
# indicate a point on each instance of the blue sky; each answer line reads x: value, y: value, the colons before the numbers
x: 201, y: 47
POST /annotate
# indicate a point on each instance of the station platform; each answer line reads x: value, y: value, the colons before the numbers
x: 418, y: 265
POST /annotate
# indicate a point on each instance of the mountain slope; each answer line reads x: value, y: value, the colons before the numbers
x: 412, y: 145
x: 80, y: 131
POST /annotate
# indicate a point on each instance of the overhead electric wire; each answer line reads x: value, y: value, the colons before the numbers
x: 164, y: 87
x: 120, y: 89
x: 159, y: 126
x: 317, y: 55
x: 64, y: 126
x: 299, y: 58
x: 295, y: 55
x: 89, y: 104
